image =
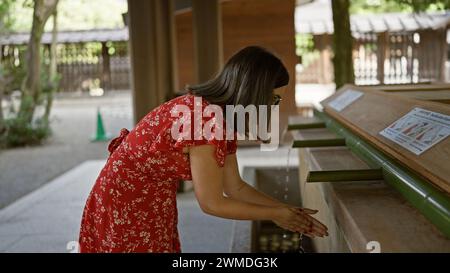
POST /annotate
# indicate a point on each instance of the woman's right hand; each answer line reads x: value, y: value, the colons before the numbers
x: 300, y: 220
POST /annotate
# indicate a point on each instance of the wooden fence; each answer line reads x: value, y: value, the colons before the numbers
x: 82, y: 66
x: 383, y: 58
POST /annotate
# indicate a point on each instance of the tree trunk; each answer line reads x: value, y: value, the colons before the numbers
x: 31, y: 87
x: 2, y: 86
x: 53, y: 80
x: 342, y: 42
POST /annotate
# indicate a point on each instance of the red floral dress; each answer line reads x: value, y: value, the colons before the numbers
x: 132, y: 206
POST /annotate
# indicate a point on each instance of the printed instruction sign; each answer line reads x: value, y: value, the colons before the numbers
x: 418, y: 130
x: 344, y: 100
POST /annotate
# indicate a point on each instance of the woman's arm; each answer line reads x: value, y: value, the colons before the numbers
x: 236, y: 188
x: 208, y: 179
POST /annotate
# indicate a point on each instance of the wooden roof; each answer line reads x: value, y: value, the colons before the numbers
x: 316, y: 18
x: 68, y: 37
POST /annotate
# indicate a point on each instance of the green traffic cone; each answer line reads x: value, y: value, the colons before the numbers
x: 100, y: 135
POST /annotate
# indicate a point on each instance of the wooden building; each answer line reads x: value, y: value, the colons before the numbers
x: 172, y: 45
x: 389, y: 48
x: 86, y: 59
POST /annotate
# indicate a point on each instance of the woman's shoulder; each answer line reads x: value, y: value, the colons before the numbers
x: 189, y: 100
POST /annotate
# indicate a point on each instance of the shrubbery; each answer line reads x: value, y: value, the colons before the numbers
x: 19, y: 132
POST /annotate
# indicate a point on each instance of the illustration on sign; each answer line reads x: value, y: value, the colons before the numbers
x: 345, y: 99
x: 419, y: 130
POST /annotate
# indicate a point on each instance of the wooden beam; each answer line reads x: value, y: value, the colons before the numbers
x: 106, y: 68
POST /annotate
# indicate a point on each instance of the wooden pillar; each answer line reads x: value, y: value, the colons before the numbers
x: 424, y: 74
x: 2, y: 52
x: 443, y: 56
x: 151, y: 52
x: 106, y: 68
x: 208, y: 49
x: 323, y: 43
x: 382, y: 47
x: 318, y: 41
x: 327, y: 58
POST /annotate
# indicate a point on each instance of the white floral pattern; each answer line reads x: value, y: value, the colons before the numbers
x: 132, y: 206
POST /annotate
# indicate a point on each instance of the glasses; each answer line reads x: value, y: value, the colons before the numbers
x: 276, y: 99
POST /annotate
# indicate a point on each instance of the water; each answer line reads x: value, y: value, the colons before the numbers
x: 287, y: 241
x: 290, y: 242
x: 295, y: 240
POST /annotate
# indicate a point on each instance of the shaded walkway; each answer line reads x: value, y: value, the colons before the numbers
x: 73, y: 121
x: 47, y: 219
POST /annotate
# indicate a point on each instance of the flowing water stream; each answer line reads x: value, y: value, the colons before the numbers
x: 292, y: 242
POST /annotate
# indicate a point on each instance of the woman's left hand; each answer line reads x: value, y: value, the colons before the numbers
x: 315, y: 227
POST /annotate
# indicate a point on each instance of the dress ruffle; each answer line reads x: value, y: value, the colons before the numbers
x: 116, y: 141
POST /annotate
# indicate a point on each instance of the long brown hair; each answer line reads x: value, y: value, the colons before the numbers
x: 248, y: 78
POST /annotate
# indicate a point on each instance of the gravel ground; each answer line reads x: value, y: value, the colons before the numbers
x: 73, y: 123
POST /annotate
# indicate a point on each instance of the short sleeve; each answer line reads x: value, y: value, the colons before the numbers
x: 220, y: 143
x: 211, y: 132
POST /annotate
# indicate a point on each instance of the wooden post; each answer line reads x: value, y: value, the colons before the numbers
x: 106, y: 68
x: 2, y: 52
x: 382, y: 47
x: 208, y: 49
x: 319, y: 41
x: 326, y: 59
x: 151, y: 52
x: 444, y: 55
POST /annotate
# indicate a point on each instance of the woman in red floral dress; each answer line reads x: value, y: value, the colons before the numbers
x: 132, y: 206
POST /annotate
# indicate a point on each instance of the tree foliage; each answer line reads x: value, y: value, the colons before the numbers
x: 74, y: 14
x: 379, y: 6
x: 424, y: 5
x: 5, y: 24
x: 6, y: 20
x: 24, y: 128
x: 31, y: 88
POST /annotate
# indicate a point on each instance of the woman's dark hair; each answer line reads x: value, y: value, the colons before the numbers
x: 248, y: 78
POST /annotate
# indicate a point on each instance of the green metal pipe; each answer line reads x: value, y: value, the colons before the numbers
x: 309, y: 125
x: 308, y: 143
x: 429, y: 200
x: 344, y: 175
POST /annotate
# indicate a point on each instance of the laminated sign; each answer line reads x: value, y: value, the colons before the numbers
x: 344, y: 100
x: 418, y: 130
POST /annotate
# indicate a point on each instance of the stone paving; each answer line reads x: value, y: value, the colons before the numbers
x: 73, y: 122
